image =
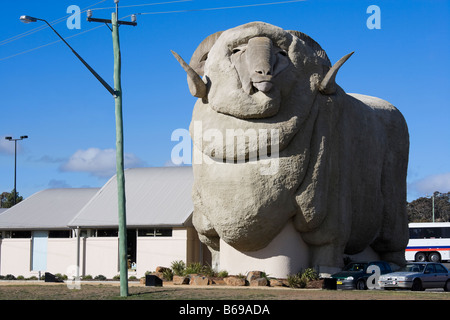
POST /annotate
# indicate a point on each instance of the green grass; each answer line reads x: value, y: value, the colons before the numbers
x: 112, y: 292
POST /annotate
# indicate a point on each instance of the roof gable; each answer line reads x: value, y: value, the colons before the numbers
x: 47, y: 209
x: 154, y: 197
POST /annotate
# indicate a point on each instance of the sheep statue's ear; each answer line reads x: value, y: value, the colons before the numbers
x: 200, y: 54
x: 328, y: 84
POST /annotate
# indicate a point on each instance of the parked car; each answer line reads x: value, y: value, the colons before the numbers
x: 417, y: 276
x: 354, y: 275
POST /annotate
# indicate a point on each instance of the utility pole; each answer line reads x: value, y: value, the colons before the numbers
x: 117, y: 94
x: 119, y: 160
x: 123, y: 265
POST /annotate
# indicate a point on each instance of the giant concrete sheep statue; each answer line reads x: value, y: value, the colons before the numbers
x: 341, y: 159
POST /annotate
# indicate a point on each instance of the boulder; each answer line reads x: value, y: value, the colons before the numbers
x: 252, y: 275
x: 199, y: 281
x: 161, y: 269
x: 259, y: 282
x: 276, y: 283
x: 234, y: 281
x: 180, y: 280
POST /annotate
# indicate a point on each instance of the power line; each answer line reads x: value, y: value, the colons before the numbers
x: 37, y: 29
x: 34, y: 30
x: 50, y: 43
x: 142, y: 13
x: 222, y: 8
x: 141, y: 5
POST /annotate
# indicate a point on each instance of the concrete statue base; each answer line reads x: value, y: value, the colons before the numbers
x: 286, y: 254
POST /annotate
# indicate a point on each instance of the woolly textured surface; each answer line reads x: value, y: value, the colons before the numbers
x: 337, y: 168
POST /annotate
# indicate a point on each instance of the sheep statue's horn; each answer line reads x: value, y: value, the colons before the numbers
x: 196, y: 85
x: 328, y: 84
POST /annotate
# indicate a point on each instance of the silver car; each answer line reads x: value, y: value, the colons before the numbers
x: 417, y: 276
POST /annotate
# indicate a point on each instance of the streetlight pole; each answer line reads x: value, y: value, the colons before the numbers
x: 432, y: 203
x: 15, y: 163
x: 28, y: 19
x: 117, y: 94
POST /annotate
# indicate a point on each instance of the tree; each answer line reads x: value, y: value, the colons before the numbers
x: 7, y: 199
x: 421, y: 209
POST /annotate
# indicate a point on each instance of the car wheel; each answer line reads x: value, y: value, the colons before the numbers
x: 434, y: 257
x: 361, y: 284
x: 447, y: 286
x: 420, y: 257
x: 417, y: 285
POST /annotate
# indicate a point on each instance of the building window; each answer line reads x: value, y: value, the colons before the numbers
x: 59, y: 234
x: 16, y: 234
x: 20, y: 234
x: 107, y: 233
x: 429, y: 233
x: 155, y: 232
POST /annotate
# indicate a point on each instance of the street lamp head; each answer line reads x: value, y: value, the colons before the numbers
x: 23, y: 137
x: 27, y: 19
x: 8, y: 138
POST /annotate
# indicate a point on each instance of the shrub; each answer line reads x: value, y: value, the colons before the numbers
x: 100, y: 277
x: 198, y: 268
x: 131, y: 278
x: 208, y: 271
x: 116, y: 277
x: 192, y: 268
x: 10, y: 277
x: 311, y: 274
x: 178, y: 267
x: 300, y: 280
x: 61, y: 276
x: 223, y: 274
x: 297, y: 280
x: 167, y: 274
x: 20, y: 277
x: 87, y: 277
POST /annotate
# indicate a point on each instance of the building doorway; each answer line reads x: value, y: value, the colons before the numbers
x: 131, y: 249
x: 39, y: 251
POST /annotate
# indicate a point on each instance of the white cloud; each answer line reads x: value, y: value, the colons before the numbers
x: 99, y: 162
x: 430, y: 184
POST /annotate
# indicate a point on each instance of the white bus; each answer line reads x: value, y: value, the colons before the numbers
x: 428, y: 241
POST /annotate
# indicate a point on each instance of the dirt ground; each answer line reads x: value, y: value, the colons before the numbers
x: 26, y: 290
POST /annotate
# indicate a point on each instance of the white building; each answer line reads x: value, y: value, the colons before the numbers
x: 57, y: 229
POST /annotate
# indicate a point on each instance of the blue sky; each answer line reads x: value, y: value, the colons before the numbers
x: 47, y: 94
